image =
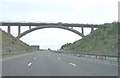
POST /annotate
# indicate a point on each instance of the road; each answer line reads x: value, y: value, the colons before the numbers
x: 47, y: 63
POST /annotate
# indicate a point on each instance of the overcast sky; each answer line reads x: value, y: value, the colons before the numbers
x: 66, y: 11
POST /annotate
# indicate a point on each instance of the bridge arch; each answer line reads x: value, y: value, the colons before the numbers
x: 50, y: 26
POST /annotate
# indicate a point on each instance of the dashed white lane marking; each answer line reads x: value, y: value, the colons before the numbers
x: 59, y: 58
x: 34, y: 58
x: 29, y: 64
x: 72, y: 64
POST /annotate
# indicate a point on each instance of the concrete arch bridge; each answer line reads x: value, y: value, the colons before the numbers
x: 65, y: 26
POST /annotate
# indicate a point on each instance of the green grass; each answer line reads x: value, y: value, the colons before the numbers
x: 13, y: 47
x: 101, y: 41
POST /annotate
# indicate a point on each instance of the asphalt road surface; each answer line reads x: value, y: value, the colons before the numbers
x: 47, y: 63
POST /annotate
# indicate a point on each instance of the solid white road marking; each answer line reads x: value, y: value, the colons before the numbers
x: 34, y: 58
x: 16, y: 56
x: 59, y: 58
x: 29, y: 64
x: 72, y: 64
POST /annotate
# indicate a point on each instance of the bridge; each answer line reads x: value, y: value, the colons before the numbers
x: 60, y: 25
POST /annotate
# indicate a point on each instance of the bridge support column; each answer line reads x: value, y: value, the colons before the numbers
x: 82, y: 30
x: 92, y: 29
x: 29, y: 27
x: 19, y: 30
x: 9, y: 29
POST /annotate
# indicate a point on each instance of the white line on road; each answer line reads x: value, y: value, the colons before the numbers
x: 29, y: 64
x: 72, y: 64
x: 16, y: 56
x: 59, y: 58
x: 34, y: 58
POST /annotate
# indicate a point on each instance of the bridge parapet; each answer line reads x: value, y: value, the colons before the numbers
x: 40, y: 24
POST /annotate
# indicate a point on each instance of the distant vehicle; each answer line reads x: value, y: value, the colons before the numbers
x: 79, y: 55
x: 59, y: 22
x: 59, y: 51
x: 49, y: 49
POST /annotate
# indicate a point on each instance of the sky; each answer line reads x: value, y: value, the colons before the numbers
x: 54, y: 11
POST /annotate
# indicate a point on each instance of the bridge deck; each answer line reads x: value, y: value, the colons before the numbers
x: 39, y: 24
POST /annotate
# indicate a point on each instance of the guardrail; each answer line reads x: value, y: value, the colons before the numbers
x: 97, y: 56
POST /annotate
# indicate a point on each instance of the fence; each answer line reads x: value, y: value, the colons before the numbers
x: 97, y: 56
